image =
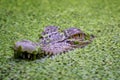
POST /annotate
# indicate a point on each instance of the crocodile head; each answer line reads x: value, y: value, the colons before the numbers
x: 53, y: 42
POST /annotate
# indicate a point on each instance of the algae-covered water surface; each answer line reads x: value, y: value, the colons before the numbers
x: 100, y: 60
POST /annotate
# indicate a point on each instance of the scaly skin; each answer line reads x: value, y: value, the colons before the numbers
x: 55, y: 37
x: 56, y: 48
x: 53, y: 42
x: 51, y: 34
x: 50, y: 30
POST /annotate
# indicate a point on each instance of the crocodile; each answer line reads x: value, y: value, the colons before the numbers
x: 53, y: 41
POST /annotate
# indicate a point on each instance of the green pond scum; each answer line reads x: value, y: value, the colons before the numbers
x: 100, y: 60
